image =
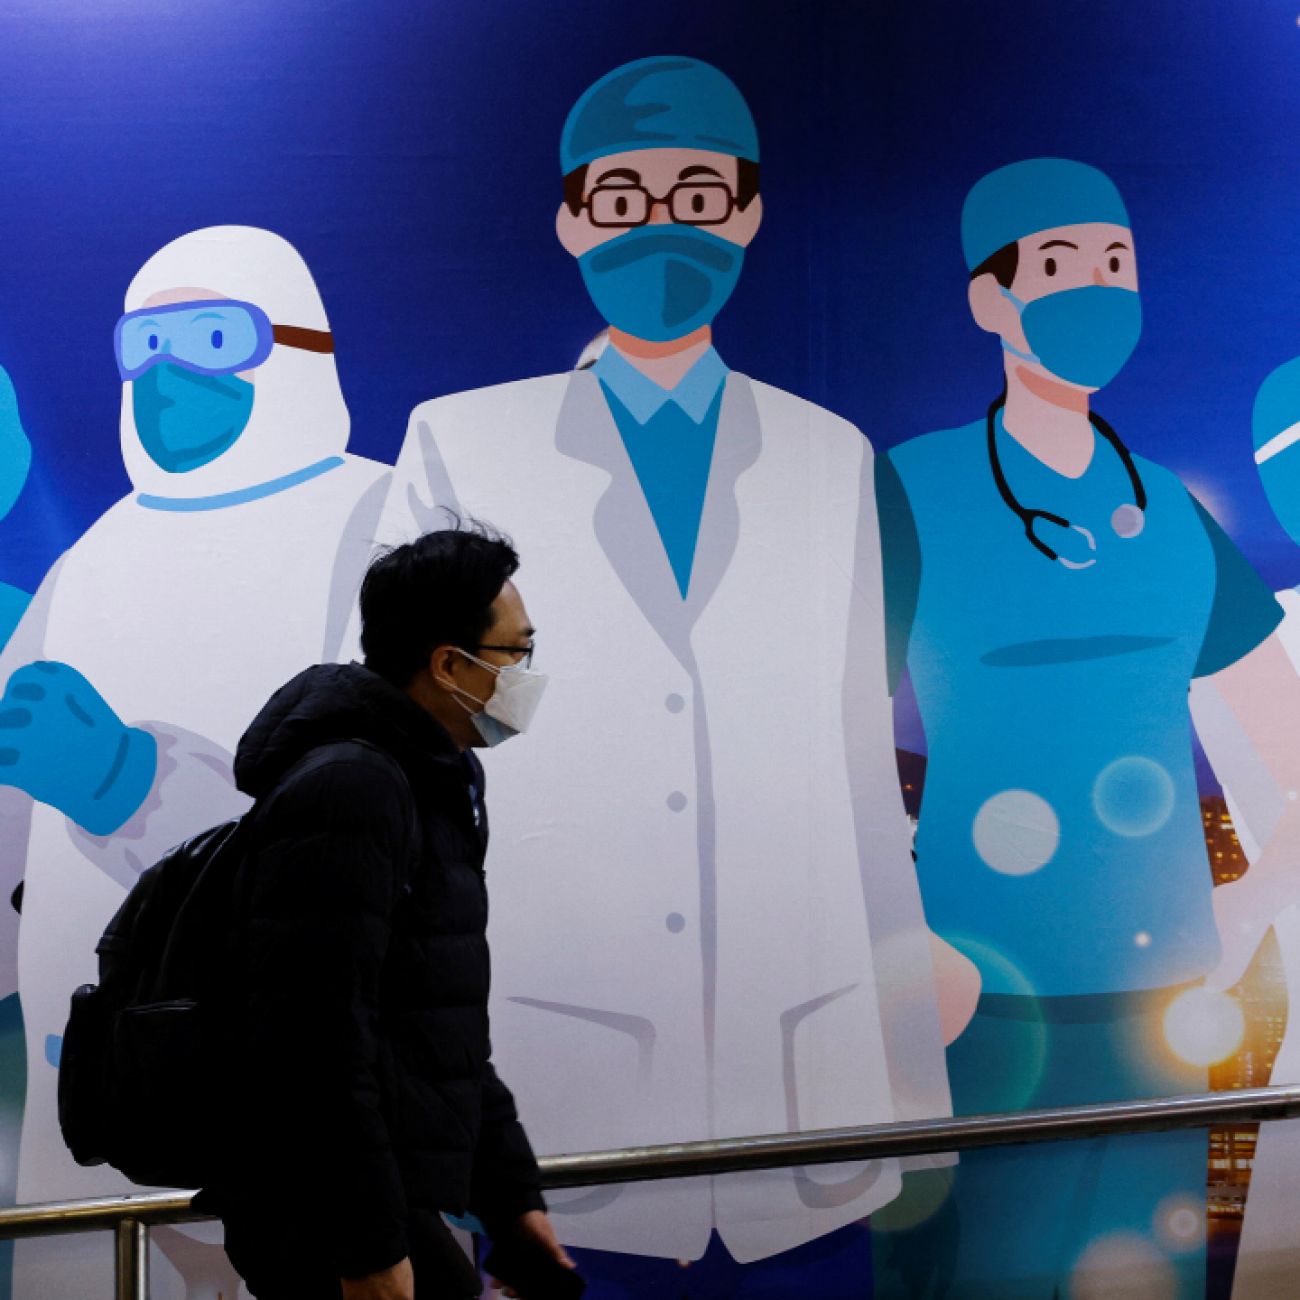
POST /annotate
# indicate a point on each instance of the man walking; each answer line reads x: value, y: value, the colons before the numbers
x: 372, y: 1104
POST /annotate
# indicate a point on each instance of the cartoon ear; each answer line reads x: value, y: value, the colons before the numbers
x: 569, y: 230
x: 995, y: 312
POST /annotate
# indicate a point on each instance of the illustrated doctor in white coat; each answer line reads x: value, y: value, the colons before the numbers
x: 234, y: 561
x: 700, y: 844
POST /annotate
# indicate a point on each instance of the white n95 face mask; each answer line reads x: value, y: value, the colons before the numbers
x: 509, y: 710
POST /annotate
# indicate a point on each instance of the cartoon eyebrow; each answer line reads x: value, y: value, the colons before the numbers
x: 1123, y: 246
x: 1058, y: 243
x: 697, y: 171
x: 145, y: 323
x: 620, y: 173
x: 208, y: 315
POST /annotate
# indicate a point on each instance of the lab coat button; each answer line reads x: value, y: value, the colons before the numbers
x: 677, y: 801
x: 674, y: 703
x: 675, y: 922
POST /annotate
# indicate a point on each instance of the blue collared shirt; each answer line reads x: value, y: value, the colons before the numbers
x: 669, y: 435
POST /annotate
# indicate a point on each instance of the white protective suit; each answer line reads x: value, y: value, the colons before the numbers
x: 701, y: 838
x: 1268, y: 1260
x: 186, y: 605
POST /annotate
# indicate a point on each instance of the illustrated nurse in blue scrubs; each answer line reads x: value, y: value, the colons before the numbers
x: 1053, y: 594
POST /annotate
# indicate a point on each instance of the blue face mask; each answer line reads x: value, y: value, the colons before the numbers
x: 661, y: 282
x: 1083, y: 335
x: 186, y: 420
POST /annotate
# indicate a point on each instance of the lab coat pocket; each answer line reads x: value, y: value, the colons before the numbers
x: 831, y: 1066
x: 600, y: 1062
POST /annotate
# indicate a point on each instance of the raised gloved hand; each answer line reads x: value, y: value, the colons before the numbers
x: 63, y: 745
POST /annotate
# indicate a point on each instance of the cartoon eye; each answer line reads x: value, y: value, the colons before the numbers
x: 1050, y: 266
x: 620, y: 206
x: 697, y: 203
x: 1114, y: 265
x: 153, y: 342
x: 216, y: 338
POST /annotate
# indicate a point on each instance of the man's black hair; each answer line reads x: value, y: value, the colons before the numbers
x: 1002, y: 265
x: 436, y: 590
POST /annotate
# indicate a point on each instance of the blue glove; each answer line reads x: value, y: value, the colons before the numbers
x: 64, y: 746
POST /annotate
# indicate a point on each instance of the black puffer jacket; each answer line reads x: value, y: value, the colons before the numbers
x: 366, y: 1039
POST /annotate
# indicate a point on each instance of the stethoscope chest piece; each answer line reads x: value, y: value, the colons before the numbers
x: 1128, y: 520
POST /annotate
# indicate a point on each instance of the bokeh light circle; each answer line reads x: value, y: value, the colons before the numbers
x: 1123, y: 1266
x: 1179, y: 1223
x: 1016, y: 832
x: 1133, y: 796
x: 1204, y: 1027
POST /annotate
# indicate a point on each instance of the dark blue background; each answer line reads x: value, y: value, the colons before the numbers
x: 410, y: 152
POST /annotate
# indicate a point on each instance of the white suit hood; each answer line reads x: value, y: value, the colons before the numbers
x: 299, y: 417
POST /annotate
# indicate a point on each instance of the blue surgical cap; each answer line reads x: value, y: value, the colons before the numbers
x: 1039, y: 194
x: 1277, y: 404
x: 659, y: 103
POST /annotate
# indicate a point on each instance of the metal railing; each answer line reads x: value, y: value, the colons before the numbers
x: 131, y: 1217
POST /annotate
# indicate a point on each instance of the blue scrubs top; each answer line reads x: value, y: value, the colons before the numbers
x: 1060, y: 843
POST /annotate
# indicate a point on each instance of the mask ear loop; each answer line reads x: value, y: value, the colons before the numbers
x: 1019, y: 304
x: 457, y: 693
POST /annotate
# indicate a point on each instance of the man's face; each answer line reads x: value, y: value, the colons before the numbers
x: 697, y: 174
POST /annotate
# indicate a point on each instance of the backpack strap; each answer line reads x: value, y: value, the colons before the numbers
x: 415, y: 831
x: 415, y: 835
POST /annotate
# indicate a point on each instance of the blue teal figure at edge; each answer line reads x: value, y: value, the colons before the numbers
x: 1276, y: 431
x: 1052, y: 626
x: 15, y: 464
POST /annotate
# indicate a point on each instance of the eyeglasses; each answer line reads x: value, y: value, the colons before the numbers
x: 526, y: 651
x: 692, y: 203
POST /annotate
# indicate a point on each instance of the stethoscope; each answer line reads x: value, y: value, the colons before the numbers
x: 1127, y: 521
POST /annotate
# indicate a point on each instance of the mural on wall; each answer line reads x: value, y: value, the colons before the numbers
x: 682, y: 948
x: 707, y: 917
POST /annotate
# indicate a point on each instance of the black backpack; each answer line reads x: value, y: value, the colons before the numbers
x: 147, y: 1050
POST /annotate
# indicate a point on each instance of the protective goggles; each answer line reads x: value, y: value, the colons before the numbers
x: 220, y: 337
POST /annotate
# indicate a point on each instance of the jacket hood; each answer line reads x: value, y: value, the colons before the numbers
x: 338, y: 702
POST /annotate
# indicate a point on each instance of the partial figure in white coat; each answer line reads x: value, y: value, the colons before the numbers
x: 161, y: 631
x: 702, y: 842
x: 1268, y: 1262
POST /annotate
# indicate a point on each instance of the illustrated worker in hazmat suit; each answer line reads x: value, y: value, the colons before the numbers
x: 234, y: 561
x: 1259, y: 792
x: 1054, y: 595
x: 701, y: 842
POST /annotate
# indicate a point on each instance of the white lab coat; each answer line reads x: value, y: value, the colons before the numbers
x: 697, y: 841
x: 185, y: 607
x: 1268, y: 1261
